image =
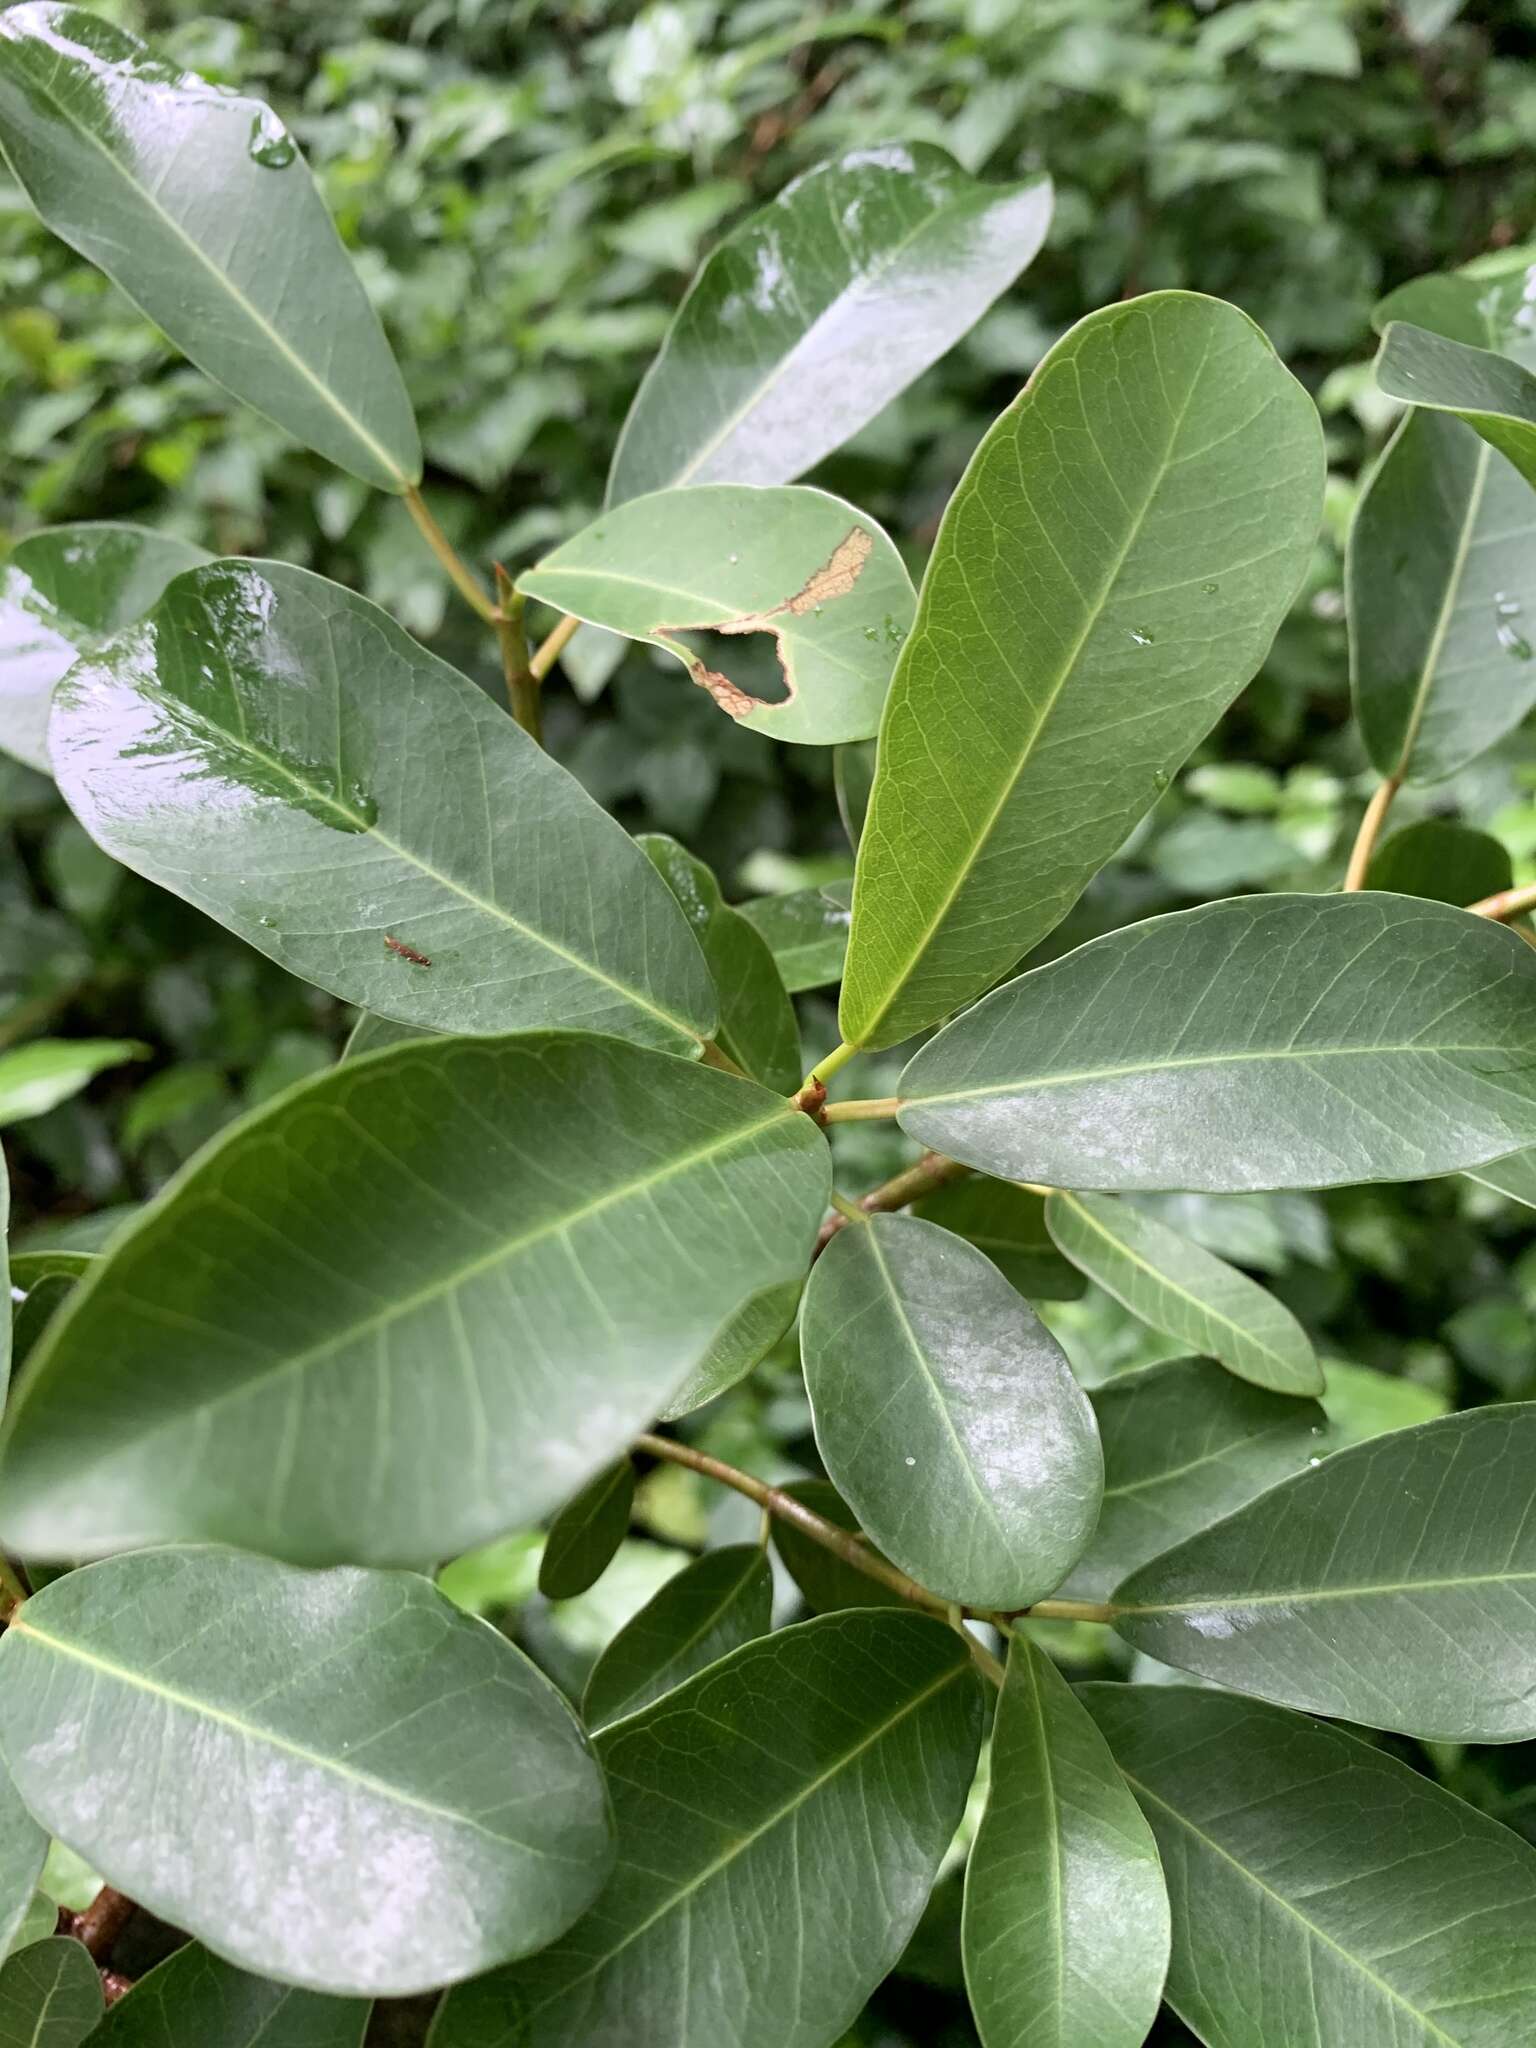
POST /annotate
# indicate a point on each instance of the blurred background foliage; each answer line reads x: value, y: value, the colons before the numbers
x: 527, y: 188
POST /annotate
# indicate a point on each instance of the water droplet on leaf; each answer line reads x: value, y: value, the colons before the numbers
x: 1142, y: 639
x: 270, y: 145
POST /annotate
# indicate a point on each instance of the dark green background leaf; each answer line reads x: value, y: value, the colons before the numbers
x: 195, y: 2001
x: 821, y: 1575
x: 1437, y: 858
x: 1008, y: 1224
x: 716, y: 1604
x: 587, y: 1531
x: 50, y: 1996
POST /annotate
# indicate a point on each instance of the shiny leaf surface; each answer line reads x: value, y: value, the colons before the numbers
x: 50, y: 1996
x: 1108, y: 574
x: 805, y: 1788
x: 198, y: 205
x: 947, y: 1415
x: 786, y: 605
x: 1066, y: 1913
x: 810, y: 317
x: 195, y: 2001
x: 1493, y: 394
x: 1322, y: 1891
x: 413, y: 1303
x: 62, y: 592
x: 279, y: 752
x: 1185, y: 1291
x: 587, y: 1531
x: 719, y: 1602
x: 1266, y: 1042
x: 310, y: 1772
x: 1393, y: 1585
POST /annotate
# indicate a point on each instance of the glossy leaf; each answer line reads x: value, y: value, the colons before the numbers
x: 1108, y: 574
x: 50, y: 1996
x: 1266, y: 1042
x: 743, y: 1343
x: 23, y: 1847
x: 62, y: 592
x: 484, y: 1265
x: 1065, y: 1934
x: 947, y: 1415
x: 809, y: 318
x: 193, y: 2000
x: 279, y: 752
x: 308, y: 1772
x: 587, y: 1531
x: 1493, y: 394
x: 38, y: 1077
x: 1185, y: 1291
x: 805, y: 1788
x: 1393, y: 1585
x: 1447, y: 862
x: 1323, y: 1893
x: 806, y: 932
x: 198, y: 205
x: 722, y: 1600
x: 1185, y: 1444
x: 1008, y: 1224
x: 758, y: 1028
x: 822, y: 1576
x: 1442, y: 600
x: 786, y: 605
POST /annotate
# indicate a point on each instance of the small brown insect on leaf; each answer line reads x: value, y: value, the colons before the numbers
x: 406, y: 952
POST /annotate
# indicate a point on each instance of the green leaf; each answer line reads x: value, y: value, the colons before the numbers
x: 719, y: 1602
x: 1447, y: 862
x: 192, y: 2000
x: 276, y: 750
x: 947, y: 1415
x: 1185, y: 1292
x: 50, y: 1996
x: 587, y: 1531
x: 804, y: 1789
x: 786, y: 605
x: 1108, y: 574
x: 810, y: 317
x: 485, y: 1264
x: 37, y: 1923
x: 38, y: 1077
x: 825, y: 1580
x: 1514, y: 1176
x: 1266, y: 1042
x: 1008, y: 1224
x: 62, y: 592
x: 1441, y: 591
x: 196, y: 202
x: 806, y: 932
x: 758, y: 1027
x: 1323, y: 1893
x: 1446, y: 302
x: 1065, y: 1934
x: 7, y: 1283
x: 1392, y: 1585
x: 1361, y: 1403
x: 23, y: 1848
x: 1185, y: 1444
x: 743, y: 1343
x: 373, y: 1033
x: 1493, y: 394
x: 309, y: 1772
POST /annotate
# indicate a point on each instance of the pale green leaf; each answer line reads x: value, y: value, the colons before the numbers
x: 1266, y: 1042
x: 38, y: 1077
x: 193, y: 2000
x: 1361, y: 1403
x: 485, y: 1264
x: 806, y: 932
x: 587, y: 1531
x: 1493, y: 394
x: 1108, y: 574
x: 1514, y: 1176
x: 309, y: 1772
x: 23, y: 1846
x: 50, y: 1996
x: 719, y: 1602
x: 279, y: 752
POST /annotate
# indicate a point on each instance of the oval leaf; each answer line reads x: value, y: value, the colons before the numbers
x: 722, y: 1600
x: 785, y: 604
x: 50, y: 1996
x: 1323, y: 1893
x: 1447, y: 862
x: 310, y: 1772
x: 1184, y: 1444
x: 1494, y: 395
x: 198, y: 205
x: 808, y: 1786
x: 484, y: 1266
x: 1108, y: 575
x: 1267, y: 1042
x: 1185, y: 1291
x: 1065, y: 1934
x: 947, y: 1414
x: 1392, y: 1585
x: 62, y: 592
x: 811, y: 316
x: 195, y: 2001
x: 276, y: 750
x: 585, y: 1534
x: 743, y: 1343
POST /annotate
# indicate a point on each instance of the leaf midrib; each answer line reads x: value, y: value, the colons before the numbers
x: 227, y: 283
x: 1448, y: 603
x: 1309, y: 1595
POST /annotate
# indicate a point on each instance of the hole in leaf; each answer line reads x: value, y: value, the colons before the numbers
x: 734, y: 666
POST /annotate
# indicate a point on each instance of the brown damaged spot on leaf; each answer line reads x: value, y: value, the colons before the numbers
x: 835, y: 578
